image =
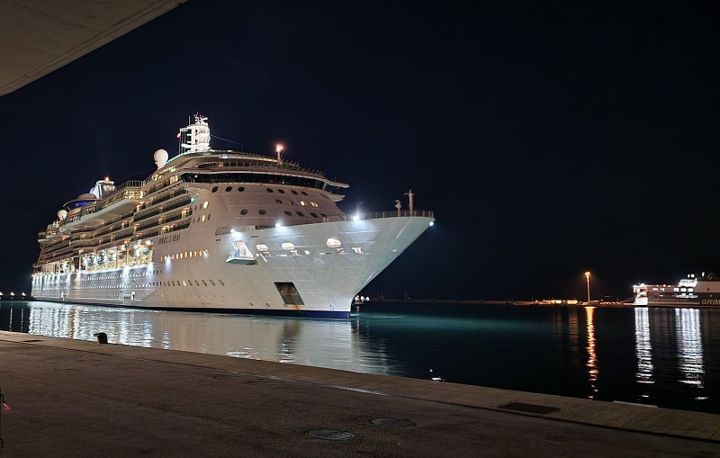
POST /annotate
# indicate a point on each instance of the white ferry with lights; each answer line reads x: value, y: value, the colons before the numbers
x: 219, y: 230
x: 690, y: 291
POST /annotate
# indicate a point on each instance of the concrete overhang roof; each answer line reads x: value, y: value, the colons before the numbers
x: 40, y: 36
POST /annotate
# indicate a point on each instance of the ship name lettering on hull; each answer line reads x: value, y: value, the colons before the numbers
x: 169, y: 239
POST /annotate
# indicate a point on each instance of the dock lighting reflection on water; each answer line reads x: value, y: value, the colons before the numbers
x: 592, y: 355
x: 660, y: 356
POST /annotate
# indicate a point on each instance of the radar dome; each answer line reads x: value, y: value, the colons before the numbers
x: 161, y: 158
x: 61, y: 214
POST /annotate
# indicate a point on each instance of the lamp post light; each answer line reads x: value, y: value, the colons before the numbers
x: 587, y: 280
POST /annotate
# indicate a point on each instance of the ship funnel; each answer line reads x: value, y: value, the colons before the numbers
x: 196, y: 136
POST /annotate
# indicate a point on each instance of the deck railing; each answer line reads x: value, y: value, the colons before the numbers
x: 380, y: 215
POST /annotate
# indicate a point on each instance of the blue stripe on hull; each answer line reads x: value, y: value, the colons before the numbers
x: 276, y: 312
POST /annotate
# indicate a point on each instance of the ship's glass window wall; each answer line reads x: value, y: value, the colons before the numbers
x: 245, y: 177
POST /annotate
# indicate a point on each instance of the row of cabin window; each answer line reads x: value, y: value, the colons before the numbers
x: 186, y: 283
x: 302, y: 203
x: 262, y: 211
x: 153, y: 283
x: 242, y: 188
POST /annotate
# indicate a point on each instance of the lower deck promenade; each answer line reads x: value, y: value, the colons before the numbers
x: 76, y: 398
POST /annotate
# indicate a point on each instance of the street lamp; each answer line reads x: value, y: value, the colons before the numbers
x: 587, y: 280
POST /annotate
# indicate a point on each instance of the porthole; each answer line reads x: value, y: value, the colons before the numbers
x: 205, y: 204
x: 268, y: 190
x: 221, y: 282
x: 302, y: 203
x: 289, y: 213
x: 300, y: 213
x: 278, y: 201
x: 314, y: 215
x: 228, y: 189
x: 212, y: 282
x: 314, y: 204
x: 204, y: 282
x: 281, y: 191
x: 241, y: 189
x: 293, y: 191
x: 323, y: 215
x: 196, y: 283
x: 261, y: 211
x: 214, y: 189
x: 304, y: 193
x: 243, y: 211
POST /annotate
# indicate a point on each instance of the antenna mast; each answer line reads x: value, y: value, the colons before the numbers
x: 411, y: 204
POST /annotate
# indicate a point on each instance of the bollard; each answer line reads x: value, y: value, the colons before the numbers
x: 101, y: 337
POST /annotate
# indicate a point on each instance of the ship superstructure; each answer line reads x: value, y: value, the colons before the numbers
x: 219, y: 230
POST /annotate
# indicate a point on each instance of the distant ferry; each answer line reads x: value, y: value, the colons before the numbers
x: 219, y: 230
x: 690, y: 291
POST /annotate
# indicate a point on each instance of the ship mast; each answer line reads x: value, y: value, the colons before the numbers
x: 195, y: 137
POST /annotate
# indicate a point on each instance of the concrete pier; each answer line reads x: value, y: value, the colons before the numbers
x: 75, y: 398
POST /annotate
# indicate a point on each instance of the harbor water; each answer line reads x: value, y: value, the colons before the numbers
x: 660, y: 356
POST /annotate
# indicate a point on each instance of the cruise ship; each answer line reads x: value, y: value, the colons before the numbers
x: 220, y: 230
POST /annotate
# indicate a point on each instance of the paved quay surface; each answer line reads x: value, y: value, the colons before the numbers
x: 74, y: 398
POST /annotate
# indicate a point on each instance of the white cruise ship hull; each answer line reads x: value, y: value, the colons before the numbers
x: 195, y: 270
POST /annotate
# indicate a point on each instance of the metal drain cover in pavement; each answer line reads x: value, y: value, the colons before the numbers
x: 530, y: 408
x: 393, y: 422
x: 330, y: 434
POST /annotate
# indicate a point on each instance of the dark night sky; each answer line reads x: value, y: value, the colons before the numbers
x: 548, y: 138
